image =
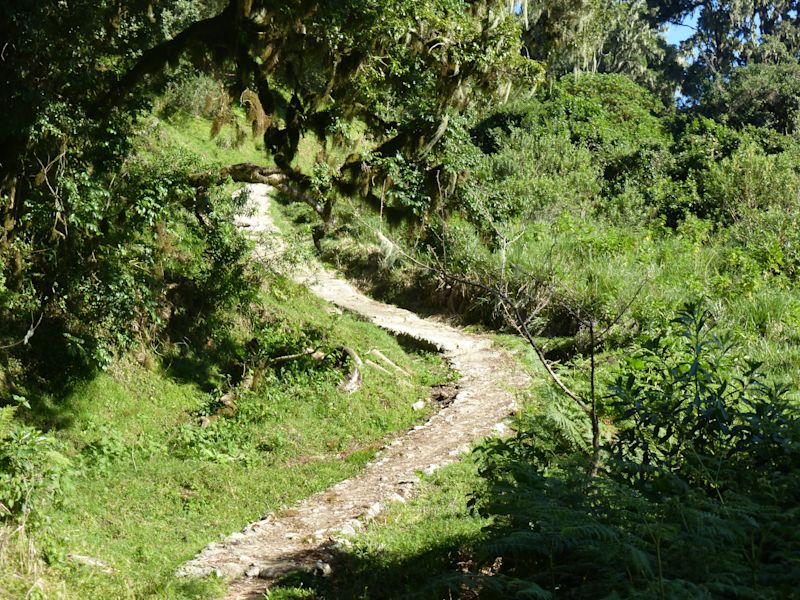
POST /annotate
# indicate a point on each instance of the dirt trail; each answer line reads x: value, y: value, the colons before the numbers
x: 302, y: 536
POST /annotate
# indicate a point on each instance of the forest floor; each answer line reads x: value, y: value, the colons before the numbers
x: 303, y: 537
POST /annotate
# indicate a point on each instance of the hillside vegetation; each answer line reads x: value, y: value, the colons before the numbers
x: 621, y: 211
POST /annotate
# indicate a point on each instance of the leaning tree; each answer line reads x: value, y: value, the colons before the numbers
x: 76, y: 77
x: 399, y: 68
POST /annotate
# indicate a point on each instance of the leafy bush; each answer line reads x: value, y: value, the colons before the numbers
x: 687, y: 409
x: 33, y: 470
x: 584, y: 138
x: 192, y: 94
x: 106, y: 446
x: 759, y: 94
x: 750, y: 180
x: 697, y: 496
x: 139, y: 256
x: 221, y: 442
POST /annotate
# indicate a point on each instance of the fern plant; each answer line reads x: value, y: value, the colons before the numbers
x: 686, y: 410
x: 697, y: 498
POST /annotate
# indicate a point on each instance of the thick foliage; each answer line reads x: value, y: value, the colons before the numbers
x: 695, y: 500
x: 134, y: 259
x: 33, y: 470
x: 85, y: 263
x: 566, y: 197
x: 686, y: 412
x: 99, y: 250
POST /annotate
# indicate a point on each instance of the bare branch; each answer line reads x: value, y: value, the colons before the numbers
x: 219, y: 29
x: 353, y: 381
x: 518, y: 320
x: 28, y: 335
x: 623, y: 310
x: 312, y: 352
x: 253, y: 173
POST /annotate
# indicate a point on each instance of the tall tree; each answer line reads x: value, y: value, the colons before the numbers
x: 397, y: 66
x: 75, y: 76
x: 595, y: 36
x: 729, y: 35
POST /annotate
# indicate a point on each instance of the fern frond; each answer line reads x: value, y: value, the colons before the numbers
x: 519, y: 543
x: 528, y: 590
x: 593, y: 531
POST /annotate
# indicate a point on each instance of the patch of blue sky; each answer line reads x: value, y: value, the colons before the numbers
x: 678, y: 32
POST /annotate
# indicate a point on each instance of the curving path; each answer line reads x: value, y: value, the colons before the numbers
x: 302, y: 537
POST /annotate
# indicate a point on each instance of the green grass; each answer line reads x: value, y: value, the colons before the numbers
x: 151, y: 487
x: 146, y: 501
x: 405, y: 546
x: 192, y: 134
x: 412, y: 548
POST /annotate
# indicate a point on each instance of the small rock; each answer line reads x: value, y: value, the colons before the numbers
x: 430, y: 469
x: 459, y: 451
x: 322, y: 569
x: 342, y: 544
x: 91, y: 562
x: 352, y: 527
x: 253, y: 571
x: 395, y: 497
x: 374, y: 511
x: 418, y: 405
x: 500, y: 428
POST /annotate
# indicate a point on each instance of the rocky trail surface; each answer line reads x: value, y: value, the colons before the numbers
x: 304, y: 536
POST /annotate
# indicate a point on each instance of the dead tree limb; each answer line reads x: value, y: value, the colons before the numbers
x: 353, y: 380
x: 28, y: 335
x: 218, y: 32
x: 389, y: 362
x: 274, y: 176
x: 312, y: 352
x: 520, y: 323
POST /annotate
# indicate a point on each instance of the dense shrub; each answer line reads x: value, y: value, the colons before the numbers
x: 759, y: 94
x: 696, y: 497
x: 748, y: 181
x: 576, y: 146
x: 142, y: 255
x: 33, y: 470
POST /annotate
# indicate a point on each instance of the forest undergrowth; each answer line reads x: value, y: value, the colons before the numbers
x: 596, y: 208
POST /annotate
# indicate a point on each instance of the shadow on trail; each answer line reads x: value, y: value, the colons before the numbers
x: 440, y: 571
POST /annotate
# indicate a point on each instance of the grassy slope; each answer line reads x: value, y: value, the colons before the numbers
x: 601, y: 263
x: 153, y: 487
x: 144, y: 514
x: 600, y: 260
x: 191, y: 133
